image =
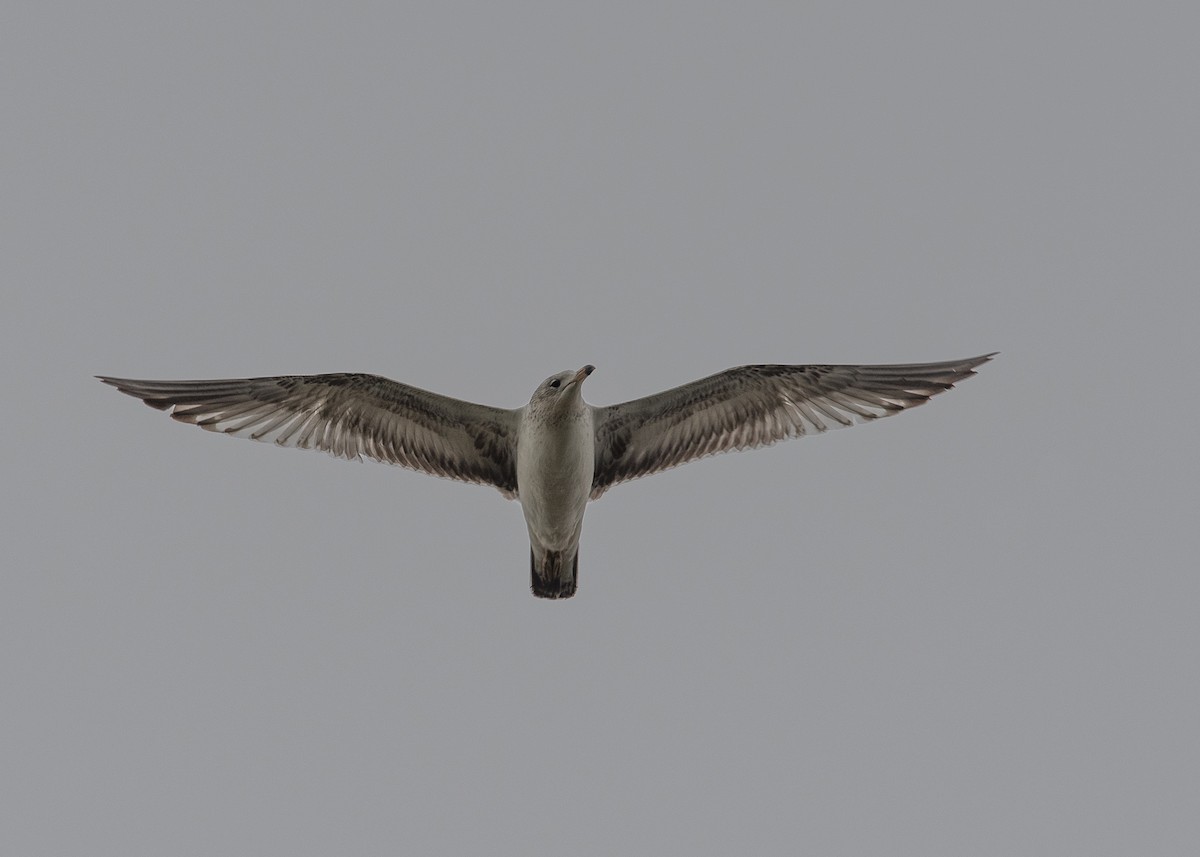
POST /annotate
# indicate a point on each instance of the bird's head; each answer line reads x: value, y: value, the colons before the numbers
x: 561, y: 390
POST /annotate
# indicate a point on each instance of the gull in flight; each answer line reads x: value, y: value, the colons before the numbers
x: 557, y: 452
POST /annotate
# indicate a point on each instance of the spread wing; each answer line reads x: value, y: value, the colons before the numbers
x: 350, y: 415
x: 753, y: 406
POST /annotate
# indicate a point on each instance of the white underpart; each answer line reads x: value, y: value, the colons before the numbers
x: 555, y: 464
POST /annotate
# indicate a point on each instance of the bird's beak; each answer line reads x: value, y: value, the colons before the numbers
x: 583, y: 373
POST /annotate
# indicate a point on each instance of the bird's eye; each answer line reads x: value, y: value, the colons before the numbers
x: 555, y: 383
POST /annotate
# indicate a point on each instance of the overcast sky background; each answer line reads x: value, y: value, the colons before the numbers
x: 971, y: 629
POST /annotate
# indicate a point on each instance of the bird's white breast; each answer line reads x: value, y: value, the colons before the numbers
x: 555, y: 464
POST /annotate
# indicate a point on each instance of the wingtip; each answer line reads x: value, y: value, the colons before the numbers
x: 973, y: 363
x: 120, y: 384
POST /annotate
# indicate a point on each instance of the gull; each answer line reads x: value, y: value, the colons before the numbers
x: 556, y: 453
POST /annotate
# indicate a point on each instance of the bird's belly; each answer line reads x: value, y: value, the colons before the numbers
x: 554, y: 503
x: 554, y: 492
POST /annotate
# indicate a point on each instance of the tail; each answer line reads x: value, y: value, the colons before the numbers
x: 553, y: 574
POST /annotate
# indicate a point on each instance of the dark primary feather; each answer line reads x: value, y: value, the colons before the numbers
x: 349, y: 416
x: 754, y: 406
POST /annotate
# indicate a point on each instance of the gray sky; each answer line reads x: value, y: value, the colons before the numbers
x: 970, y: 629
